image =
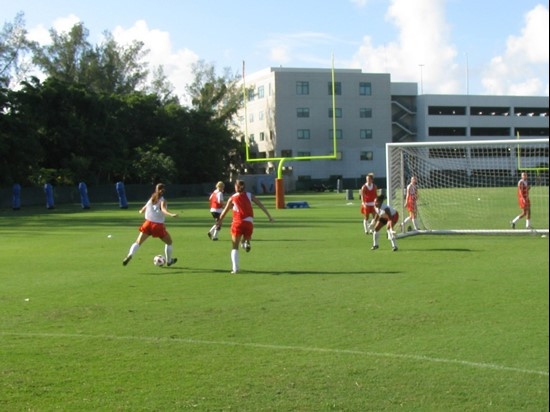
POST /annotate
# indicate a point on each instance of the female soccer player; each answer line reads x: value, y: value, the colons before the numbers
x: 216, y: 207
x: 155, y: 212
x: 368, y: 195
x: 524, y: 202
x: 385, y: 215
x: 410, y: 204
x: 243, y: 217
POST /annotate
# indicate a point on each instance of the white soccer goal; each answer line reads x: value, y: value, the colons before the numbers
x: 469, y: 186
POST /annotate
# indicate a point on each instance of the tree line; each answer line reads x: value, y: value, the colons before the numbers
x: 95, y: 116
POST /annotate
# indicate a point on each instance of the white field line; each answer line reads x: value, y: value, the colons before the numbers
x: 282, y: 347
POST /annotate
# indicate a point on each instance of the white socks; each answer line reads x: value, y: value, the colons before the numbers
x: 375, y: 238
x: 168, y: 252
x: 133, y: 249
x: 235, y: 260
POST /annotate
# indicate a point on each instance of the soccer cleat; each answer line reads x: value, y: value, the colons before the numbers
x: 209, y: 235
x: 512, y: 224
x: 233, y: 272
x: 247, y: 246
x: 214, y: 238
x: 394, y: 248
x: 126, y: 260
x: 374, y: 247
x: 172, y: 262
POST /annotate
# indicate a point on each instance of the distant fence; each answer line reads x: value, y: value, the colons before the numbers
x: 33, y: 196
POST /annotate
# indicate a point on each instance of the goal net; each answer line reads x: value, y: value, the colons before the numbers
x: 469, y: 186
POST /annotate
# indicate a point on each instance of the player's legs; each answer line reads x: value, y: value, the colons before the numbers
x: 142, y: 237
x: 235, y: 241
x: 167, y: 239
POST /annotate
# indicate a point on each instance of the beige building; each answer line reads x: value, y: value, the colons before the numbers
x: 290, y: 113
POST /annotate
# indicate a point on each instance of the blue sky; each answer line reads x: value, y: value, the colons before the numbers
x: 454, y: 46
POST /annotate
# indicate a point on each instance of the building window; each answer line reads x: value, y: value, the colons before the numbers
x: 302, y: 88
x: 261, y: 115
x: 303, y: 133
x: 250, y: 95
x: 302, y: 112
x: 365, y: 89
x: 446, y: 131
x: 337, y: 88
x: 337, y: 110
x: 286, y: 153
x: 251, y: 118
x: 447, y: 110
x: 339, y: 134
x: 365, y: 112
x: 260, y: 92
x: 369, y: 155
x: 365, y: 134
x: 251, y: 138
x: 262, y: 136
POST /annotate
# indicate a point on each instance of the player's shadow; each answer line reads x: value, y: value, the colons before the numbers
x: 303, y: 272
x: 441, y: 250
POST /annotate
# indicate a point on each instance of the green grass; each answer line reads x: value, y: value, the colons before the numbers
x: 315, y: 321
x: 490, y: 208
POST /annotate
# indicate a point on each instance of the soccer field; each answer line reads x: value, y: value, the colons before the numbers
x: 315, y: 320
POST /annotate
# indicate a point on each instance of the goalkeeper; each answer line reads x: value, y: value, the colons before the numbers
x: 384, y: 215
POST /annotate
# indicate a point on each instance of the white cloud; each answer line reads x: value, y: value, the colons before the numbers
x: 176, y: 63
x: 41, y: 34
x: 523, y: 69
x: 360, y: 3
x: 424, y: 39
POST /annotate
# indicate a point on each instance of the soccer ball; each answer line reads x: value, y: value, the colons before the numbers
x: 159, y: 260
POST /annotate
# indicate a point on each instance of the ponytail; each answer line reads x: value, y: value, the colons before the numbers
x: 157, y: 194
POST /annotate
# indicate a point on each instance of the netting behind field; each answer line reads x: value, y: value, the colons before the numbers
x: 470, y: 185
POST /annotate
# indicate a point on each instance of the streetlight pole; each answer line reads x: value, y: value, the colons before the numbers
x: 421, y: 79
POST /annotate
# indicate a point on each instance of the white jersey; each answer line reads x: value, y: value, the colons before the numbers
x: 153, y: 212
x: 382, y: 211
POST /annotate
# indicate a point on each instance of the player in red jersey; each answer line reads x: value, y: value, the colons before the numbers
x: 524, y: 202
x: 216, y: 207
x: 243, y: 218
x: 410, y: 203
x: 367, y: 194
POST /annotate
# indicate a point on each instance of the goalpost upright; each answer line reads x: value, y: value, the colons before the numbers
x: 469, y: 186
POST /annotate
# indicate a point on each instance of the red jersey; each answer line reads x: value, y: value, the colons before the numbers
x: 242, y: 207
x: 216, y: 201
x: 411, y: 198
x: 523, y: 193
x: 368, y: 194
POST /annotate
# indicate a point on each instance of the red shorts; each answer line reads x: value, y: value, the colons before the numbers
x: 411, y: 206
x: 153, y: 229
x: 367, y: 210
x: 242, y: 228
x: 394, y: 219
x: 524, y: 203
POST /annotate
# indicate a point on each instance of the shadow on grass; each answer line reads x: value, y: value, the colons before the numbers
x: 440, y: 250
x: 195, y: 270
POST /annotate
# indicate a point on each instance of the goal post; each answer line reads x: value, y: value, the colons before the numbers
x: 469, y: 186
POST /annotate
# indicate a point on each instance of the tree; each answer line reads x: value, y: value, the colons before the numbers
x: 108, y: 67
x: 219, y: 95
x: 13, y: 48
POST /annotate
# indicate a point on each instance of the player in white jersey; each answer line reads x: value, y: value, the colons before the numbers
x: 384, y: 215
x: 155, y: 212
